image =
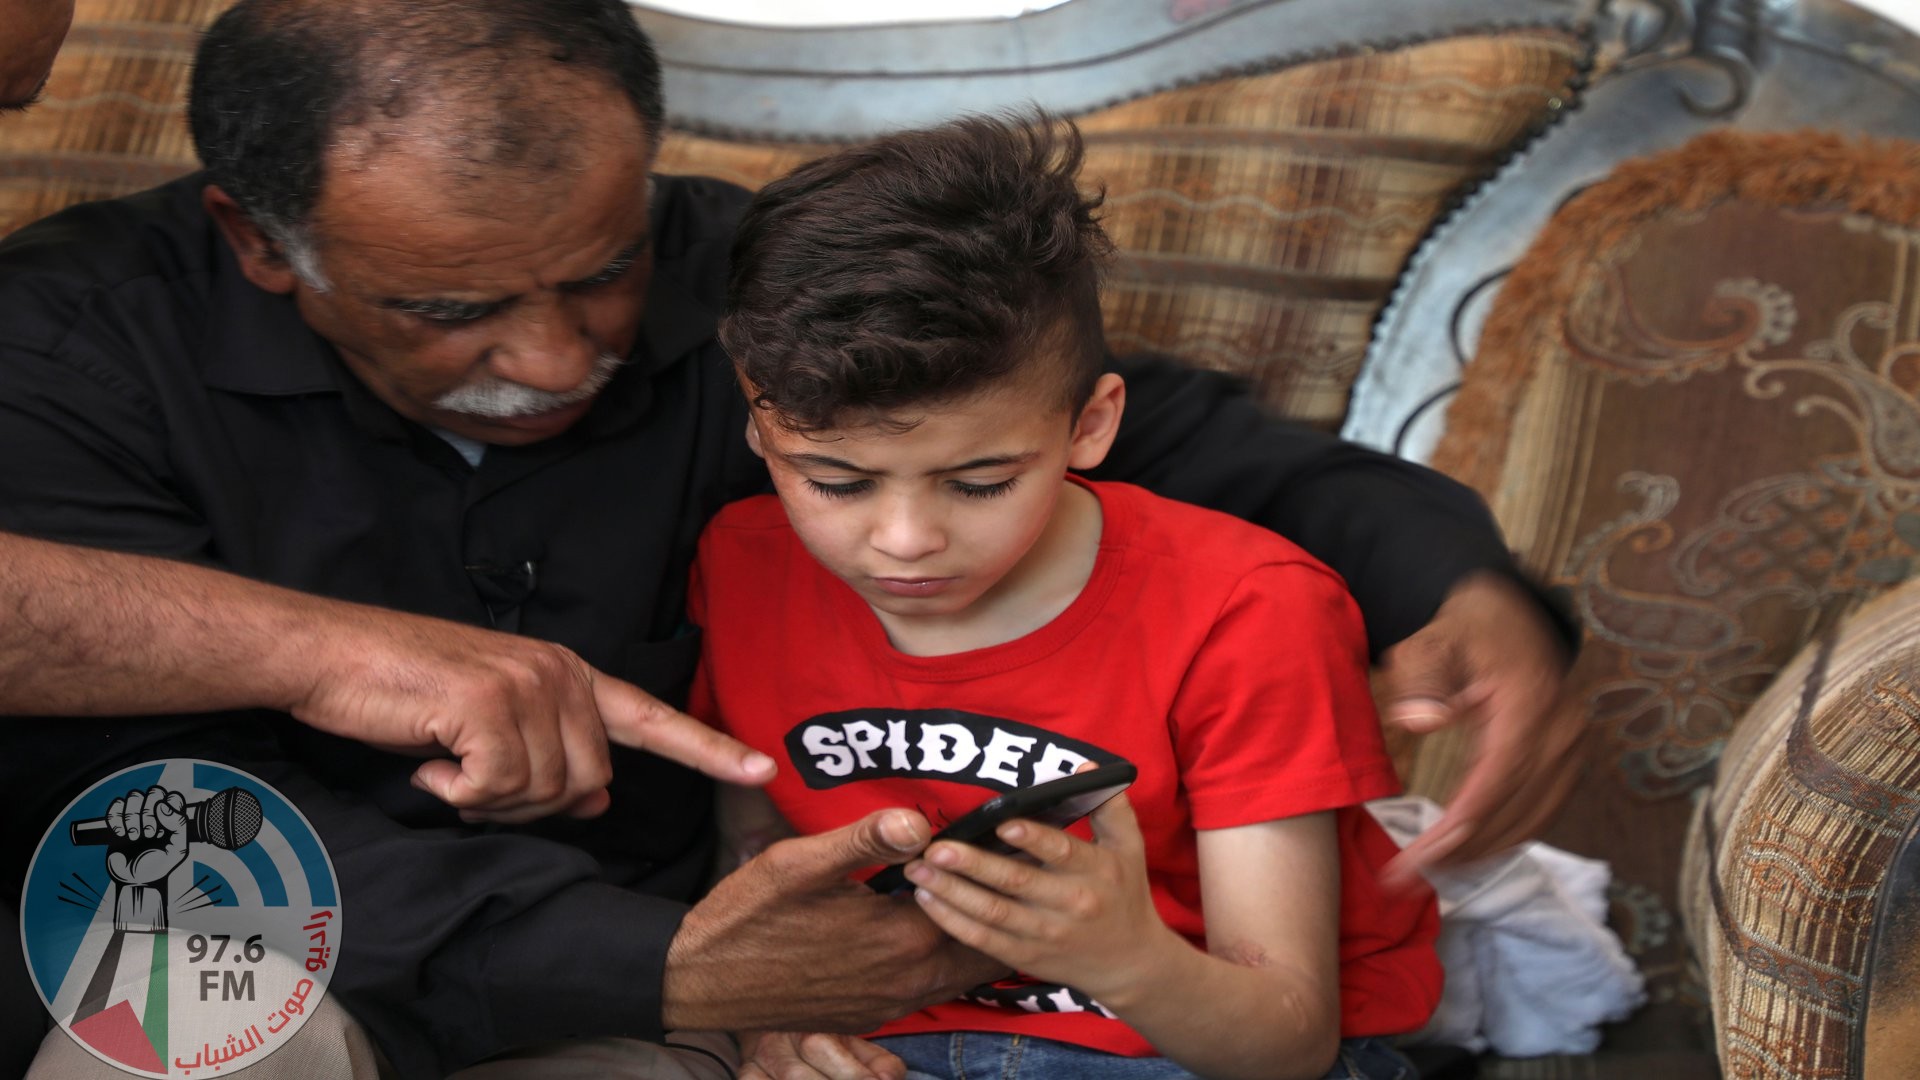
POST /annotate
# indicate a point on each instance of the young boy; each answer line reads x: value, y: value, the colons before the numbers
x: 935, y: 611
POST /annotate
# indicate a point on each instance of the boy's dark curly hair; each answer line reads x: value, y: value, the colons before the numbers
x: 920, y: 268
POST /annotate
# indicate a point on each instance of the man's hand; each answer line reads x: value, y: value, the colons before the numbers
x: 789, y: 942
x: 1489, y: 661
x: 527, y: 722
x: 103, y: 633
x: 792, y: 1055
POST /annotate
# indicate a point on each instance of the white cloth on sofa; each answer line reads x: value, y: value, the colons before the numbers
x: 1531, y: 966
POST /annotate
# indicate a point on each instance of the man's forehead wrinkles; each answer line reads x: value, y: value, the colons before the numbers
x: 510, y: 267
x: 392, y: 235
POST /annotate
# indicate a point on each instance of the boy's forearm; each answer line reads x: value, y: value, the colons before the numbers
x: 1225, y: 1020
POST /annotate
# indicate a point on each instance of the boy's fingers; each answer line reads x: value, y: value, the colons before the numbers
x: 977, y: 902
x: 960, y: 926
x: 1051, y: 846
x: 1115, y: 827
x: 997, y: 872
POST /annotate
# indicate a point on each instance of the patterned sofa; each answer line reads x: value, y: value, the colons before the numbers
x: 1691, y: 330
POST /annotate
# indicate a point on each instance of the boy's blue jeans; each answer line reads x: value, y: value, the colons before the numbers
x: 983, y: 1055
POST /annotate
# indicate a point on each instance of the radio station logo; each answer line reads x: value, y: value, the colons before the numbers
x: 181, y: 918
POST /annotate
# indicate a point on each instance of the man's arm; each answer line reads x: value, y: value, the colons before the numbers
x: 787, y: 941
x: 1400, y: 534
x: 526, y: 722
x: 1463, y: 637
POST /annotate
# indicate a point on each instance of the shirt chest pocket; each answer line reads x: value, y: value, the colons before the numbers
x: 663, y: 668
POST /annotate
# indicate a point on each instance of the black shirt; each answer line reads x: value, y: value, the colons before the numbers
x: 153, y: 400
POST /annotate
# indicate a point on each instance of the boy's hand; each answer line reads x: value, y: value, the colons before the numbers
x: 1084, y: 917
x: 816, y: 1055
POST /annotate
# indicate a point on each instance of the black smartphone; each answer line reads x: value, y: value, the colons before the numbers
x: 1059, y: 802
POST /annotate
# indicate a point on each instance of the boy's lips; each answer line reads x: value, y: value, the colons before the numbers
x: 913, y: 586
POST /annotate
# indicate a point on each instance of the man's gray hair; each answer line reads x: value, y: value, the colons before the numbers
x: 276, y: 82
x: 296, y: 247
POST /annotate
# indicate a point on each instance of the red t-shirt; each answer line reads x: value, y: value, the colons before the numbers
x: 1226, y: 664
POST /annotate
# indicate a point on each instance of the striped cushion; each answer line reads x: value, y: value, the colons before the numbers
x: 1263, y: 220
x: 1790, y: 851
x: 113, y: 119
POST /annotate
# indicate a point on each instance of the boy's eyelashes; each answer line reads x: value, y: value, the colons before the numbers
x: 851, y: 488
x: 839, y: 491
x: 984, y: 491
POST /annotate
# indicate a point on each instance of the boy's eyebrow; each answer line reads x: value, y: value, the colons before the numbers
x: 822, y: 461
x: 992, y: 462
x: 995, y: 461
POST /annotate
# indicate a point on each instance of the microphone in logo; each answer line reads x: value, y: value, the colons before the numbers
x: 226, y: 819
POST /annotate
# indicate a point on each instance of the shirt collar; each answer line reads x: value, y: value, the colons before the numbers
x: 677, y: 323
x: 257, y: 343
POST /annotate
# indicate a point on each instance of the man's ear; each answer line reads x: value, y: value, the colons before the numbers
x: 1099, y: 422
x: 260, y: 258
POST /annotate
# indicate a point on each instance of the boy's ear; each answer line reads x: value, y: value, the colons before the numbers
x: 260, y: 258
x: 753, y: 438
x: 1099, y: 422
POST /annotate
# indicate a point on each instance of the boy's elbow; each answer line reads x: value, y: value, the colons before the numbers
x: 1317, y: 1053
x: 1312, y: 1016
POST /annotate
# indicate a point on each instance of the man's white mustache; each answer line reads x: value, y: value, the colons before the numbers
x: 503, y: 399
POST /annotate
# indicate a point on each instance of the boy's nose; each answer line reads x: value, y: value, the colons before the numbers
x: 906, y: 534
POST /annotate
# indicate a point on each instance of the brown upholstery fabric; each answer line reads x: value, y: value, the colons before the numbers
x: 1262, y: 220
x: 1790, y: 850
x: 1693, y: 408
x: 113, y: 119
x: 749, y: 164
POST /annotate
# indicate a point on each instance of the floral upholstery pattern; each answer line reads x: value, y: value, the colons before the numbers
x: 1694, y: 410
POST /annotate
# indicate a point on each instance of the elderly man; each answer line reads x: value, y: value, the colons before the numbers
x: 426, y: 335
